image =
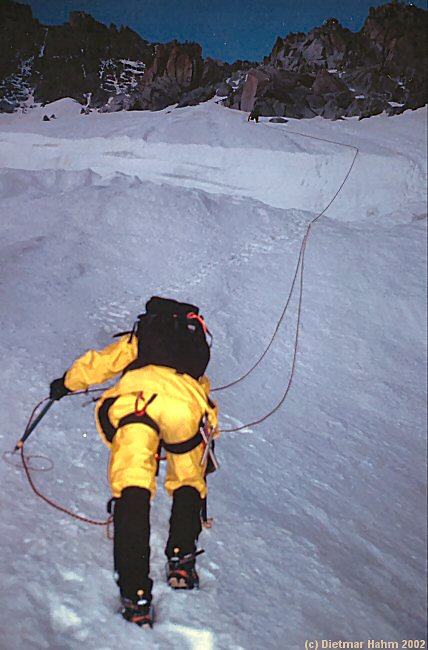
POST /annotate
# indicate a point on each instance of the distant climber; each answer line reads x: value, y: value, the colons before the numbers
x: 254, y: 115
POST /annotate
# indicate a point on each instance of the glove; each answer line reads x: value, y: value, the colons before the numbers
x: 58, y: 389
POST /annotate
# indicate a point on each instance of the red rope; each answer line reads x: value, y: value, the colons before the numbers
x: 51, y: 503
x: 298, y: 274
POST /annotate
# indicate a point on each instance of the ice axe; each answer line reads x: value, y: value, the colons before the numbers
x: 32, y: 425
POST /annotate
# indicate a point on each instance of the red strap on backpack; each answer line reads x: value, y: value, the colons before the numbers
x: 193, y: 316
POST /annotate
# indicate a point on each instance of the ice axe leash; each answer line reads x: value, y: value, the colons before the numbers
x: 33, y: 423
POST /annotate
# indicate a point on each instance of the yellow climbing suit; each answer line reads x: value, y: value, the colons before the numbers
x: 146, y: 405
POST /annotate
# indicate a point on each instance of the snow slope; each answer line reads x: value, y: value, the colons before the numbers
x: 320, y: 512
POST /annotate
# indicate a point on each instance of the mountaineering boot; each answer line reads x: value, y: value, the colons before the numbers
x: 181, y: 573
x: 138, y: 610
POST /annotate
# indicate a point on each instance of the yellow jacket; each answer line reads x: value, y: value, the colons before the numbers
x: 179, y: 403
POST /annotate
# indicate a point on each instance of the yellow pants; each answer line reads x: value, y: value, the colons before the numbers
x: 133, y: 463
x: 133, y: 448
x: 176, y: 404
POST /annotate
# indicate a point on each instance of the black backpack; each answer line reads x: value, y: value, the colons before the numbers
x: 171, y: 334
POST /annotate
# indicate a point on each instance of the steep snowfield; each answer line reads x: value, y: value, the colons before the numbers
x: 320, y: 512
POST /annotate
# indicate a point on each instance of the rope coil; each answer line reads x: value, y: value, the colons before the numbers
x: 86, y: 520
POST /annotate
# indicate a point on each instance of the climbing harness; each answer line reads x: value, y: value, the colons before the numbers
x: 204, y: 435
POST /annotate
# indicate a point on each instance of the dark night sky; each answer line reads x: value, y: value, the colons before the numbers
x: 226, y: 29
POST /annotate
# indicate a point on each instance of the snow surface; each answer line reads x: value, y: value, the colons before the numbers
x: 320, y: 512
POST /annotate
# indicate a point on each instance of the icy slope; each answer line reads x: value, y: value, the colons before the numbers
x: 320, y: 512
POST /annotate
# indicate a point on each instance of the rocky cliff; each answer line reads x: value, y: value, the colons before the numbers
x: 82, y: 59
x: 176, y: 74
x: 330, y: 71
x: 334, y: 72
